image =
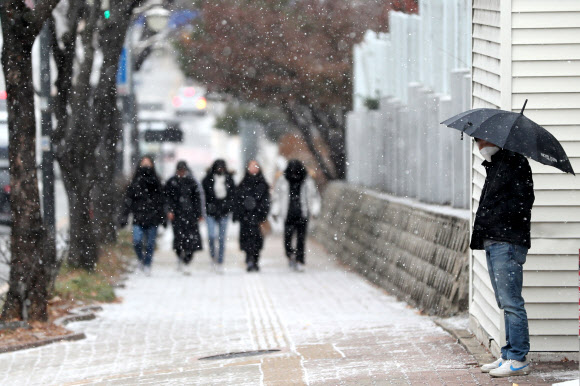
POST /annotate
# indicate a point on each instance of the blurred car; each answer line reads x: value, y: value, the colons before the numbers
x: 190, y: 100
x: 5, y: 217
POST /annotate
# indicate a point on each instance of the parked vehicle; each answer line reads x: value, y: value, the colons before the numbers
x: 190, y: 100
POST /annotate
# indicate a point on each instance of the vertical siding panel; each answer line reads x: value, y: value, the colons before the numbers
x: 487, y: 74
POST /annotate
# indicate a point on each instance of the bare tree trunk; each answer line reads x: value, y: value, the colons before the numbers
x: 332, y: 133
x: 83, y: 252
x: 29, y: 266
x: 112, y: 37
x: 76, y: 136
x: 297, y: 118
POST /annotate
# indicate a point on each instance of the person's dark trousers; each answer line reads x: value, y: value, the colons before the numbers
x: 298, y: 227
x: 144, y: 237
x: 185, y: 256
x: 505, y: 265
x: 253, y: 258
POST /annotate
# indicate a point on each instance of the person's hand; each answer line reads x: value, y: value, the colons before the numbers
x: 170, y: 216
x: 201, y: 218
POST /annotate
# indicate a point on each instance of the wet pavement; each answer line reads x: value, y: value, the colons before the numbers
x: 329, y: 325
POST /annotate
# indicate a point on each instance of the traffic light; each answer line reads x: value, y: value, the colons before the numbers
x: 105, y: 7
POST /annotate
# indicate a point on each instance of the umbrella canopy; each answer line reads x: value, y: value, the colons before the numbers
x: 514, y: 132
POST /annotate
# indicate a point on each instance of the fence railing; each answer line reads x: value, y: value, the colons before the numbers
x: 419, y: 75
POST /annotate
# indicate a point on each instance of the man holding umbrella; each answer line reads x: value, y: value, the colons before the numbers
x: 502, y: 228
x: 502, y: 221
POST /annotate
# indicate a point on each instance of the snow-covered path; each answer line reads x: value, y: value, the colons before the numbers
x: 331, y: 327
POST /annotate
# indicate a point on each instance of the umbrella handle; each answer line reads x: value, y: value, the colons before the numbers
x: 524, y: 106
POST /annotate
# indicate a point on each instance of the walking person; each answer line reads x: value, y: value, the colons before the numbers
x: 219, y: 189
x: 144, y: 199
x: 251, y: 207
x: 295, y: 200
x: 502, y: 229
x: 184, y: 204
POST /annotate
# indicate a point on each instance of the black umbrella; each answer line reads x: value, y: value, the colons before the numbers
x: 514, y: 132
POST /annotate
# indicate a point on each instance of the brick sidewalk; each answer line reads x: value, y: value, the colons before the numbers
x: 331, y: 326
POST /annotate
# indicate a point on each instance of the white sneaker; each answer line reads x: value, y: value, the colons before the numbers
x: 492, y: 366
x: 511, y: 368
x: 219, y: 268
x: 179, y: 265
x: 147, y: 270
x: 300, y: 267
x: 292, y: 263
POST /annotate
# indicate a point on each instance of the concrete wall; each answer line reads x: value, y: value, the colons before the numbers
x: 414, y: 251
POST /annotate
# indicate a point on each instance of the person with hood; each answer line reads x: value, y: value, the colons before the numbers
x: 184, y: 204
x: 144, y: 199
x: 219, y: 189
x: 295, y: 200
x: 502, y: 229
x: 251, y: 207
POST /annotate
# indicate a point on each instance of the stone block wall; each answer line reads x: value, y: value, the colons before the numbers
x: 416, y: 254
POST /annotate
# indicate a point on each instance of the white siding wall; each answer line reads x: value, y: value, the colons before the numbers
x: 531, y: 50
x: 486, y: 92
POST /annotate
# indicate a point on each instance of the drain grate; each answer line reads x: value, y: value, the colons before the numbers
x: 239, y: 354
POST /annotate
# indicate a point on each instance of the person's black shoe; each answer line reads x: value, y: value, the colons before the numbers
x: 250, y: 267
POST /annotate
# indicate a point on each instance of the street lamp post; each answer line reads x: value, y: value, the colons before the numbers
x: 157, y: 19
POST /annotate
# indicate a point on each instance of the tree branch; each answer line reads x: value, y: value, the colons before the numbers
x: 42, y: 11
x: 306, y: 131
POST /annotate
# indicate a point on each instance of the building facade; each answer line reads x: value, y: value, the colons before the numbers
x: 530, y: 49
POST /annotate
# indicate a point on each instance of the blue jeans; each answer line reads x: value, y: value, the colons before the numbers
x: 505, y: 265
x: 147, y: 236
x: 222, y: 224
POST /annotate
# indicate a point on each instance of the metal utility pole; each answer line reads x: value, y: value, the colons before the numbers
x: 46, y: 131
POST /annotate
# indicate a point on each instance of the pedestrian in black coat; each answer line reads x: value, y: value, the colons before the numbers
x: 251, y: 208
x: 183, y: 196
x: 502, y: 229
x: 219, y: 189
x: 144, y: 199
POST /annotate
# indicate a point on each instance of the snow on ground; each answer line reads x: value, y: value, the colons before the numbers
x: 331, y: 327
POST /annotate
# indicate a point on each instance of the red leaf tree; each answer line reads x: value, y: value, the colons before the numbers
x: 293, y: 54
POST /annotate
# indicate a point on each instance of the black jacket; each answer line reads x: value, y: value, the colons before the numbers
x: 183, y: 196
x: 144, y: 198
x: 251, y: 208
x: 252, y: 201
x: 218, y: 207
x: 505, y: 206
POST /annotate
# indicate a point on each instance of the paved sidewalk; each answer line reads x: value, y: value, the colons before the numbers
x: 331, y: 327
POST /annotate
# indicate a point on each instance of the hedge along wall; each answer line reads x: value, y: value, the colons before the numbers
x: 417, y: 254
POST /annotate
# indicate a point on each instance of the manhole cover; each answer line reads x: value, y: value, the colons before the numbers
x: 231, y: 355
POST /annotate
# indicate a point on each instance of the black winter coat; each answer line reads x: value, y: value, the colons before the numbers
x: 505, y: 206
x: 218, y: 207
x: 183, y: 196
x: 144, y: 199
x: 251, y: 208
